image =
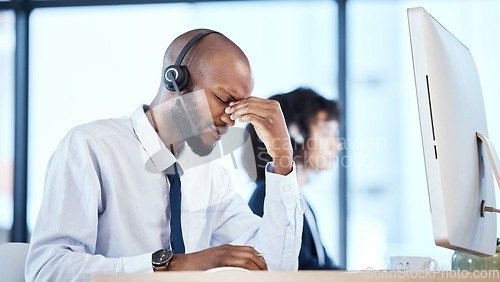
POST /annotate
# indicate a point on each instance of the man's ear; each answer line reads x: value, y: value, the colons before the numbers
x: 294, y: 132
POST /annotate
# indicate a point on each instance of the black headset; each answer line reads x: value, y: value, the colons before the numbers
x: 176, y: 76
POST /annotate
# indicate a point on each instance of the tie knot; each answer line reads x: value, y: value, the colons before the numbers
x: 172, y: 177
x: 174, y: 169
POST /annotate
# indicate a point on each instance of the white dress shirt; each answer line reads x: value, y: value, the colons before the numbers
x: 105, y: 206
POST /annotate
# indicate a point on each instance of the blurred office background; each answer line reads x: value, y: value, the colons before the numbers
x: 90, y: 61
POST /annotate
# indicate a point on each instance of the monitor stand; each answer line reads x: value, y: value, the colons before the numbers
x: 495, y: 165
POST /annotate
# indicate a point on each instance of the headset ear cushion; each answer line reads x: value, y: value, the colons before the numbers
x: 181, y: 76
x: 296, y: 134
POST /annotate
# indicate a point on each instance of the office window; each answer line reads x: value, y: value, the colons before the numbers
x: 100, y: 62
x: 7, y: 43
x: 388, y: 204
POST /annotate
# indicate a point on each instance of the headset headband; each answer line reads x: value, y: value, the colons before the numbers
x: 190, y: 44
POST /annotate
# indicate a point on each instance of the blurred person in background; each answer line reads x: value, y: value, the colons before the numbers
x: 312, y: 122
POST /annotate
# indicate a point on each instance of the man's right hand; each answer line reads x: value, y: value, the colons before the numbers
x: 224, y: 255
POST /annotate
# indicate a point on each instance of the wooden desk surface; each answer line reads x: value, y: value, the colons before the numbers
x: 303, y: 276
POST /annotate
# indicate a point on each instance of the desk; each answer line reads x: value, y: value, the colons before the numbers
x: 302, y: 276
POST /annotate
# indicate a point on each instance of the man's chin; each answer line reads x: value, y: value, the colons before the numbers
x: 199, y: 147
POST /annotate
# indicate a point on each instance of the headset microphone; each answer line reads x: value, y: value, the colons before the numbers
x: 193, y: 127
x: 176, y: 77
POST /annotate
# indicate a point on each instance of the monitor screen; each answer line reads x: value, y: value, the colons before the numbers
x: 451, y: 111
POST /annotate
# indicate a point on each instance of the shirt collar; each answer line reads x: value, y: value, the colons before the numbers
x: 157, y: 158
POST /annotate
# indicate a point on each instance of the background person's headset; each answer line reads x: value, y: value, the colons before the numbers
x: 176, y: 77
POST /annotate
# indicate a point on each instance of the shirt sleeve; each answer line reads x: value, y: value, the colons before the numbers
x: 63, y: 243
x: 282, y: 221
x: 277, y: 234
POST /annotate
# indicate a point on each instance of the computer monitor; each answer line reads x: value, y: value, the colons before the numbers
x: 451, y: 111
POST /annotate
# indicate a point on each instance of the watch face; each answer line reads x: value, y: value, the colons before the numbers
x: 161, y: 257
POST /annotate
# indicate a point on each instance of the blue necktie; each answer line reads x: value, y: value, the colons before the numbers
x: 175, y: 212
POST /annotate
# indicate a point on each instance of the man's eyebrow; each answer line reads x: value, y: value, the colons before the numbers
x: 231, y: 96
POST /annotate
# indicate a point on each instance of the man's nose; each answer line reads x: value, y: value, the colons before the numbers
x: 224, y: 118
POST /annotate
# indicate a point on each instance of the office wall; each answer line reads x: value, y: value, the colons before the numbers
x: 7, y: 42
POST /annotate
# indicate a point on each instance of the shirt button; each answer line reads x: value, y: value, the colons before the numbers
x: 287, y: 188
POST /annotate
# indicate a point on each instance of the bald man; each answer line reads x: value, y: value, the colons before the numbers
x: 106, y: 205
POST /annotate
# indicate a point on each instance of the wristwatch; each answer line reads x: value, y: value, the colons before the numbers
x: 161, y: 258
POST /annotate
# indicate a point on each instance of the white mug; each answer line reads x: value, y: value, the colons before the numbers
x: 410, y: 263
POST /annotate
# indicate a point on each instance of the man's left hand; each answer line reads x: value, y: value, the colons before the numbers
x: 269, y: 123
